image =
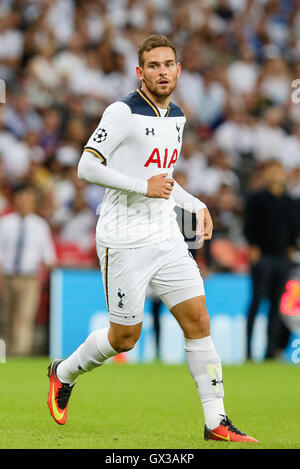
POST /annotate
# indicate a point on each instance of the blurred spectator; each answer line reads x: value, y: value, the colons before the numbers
x: 290, y: 150
x: 228, y: 247
x: 70, y: 59
x: 87, y: 81
x: 236, y: 134
x: 243, y: 73
x: 213, y: 98
x: 274, y: 81
x: 191, y: 162
x: 21, y: 117
x: 43, y: 69
x: 34, y: 150
x: 269, y: 136
x: 4, y: 200
x: 80, y: 227
x: 189, y: 86
x: 64, y: 189
x: 50, y: 134
x: 59, y: 17
x: 271, y: 232
x: 25, y: 244
x: 218, y: 173
x: 137, y: 13
x: 115, y: 82
x: 11, y: 45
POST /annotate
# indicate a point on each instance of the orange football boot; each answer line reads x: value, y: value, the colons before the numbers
x: 226, y: 431
x: 59, y: 394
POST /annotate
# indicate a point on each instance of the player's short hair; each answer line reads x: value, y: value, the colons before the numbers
x: 153, y: 41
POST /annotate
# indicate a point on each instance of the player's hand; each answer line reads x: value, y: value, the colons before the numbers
x: 160, y: 187
x: 204, y: 225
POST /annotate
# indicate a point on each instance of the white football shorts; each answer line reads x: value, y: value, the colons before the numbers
x: 168, y: 267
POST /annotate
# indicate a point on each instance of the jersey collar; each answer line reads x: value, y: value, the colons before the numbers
x: 151, y: 104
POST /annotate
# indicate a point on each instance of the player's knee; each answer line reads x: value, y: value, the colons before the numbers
x: 123, y: 338
x: 125, y: 342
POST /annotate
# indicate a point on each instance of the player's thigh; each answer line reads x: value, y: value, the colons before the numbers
x: 178, y: 278
x: 180, y: 286
x: 125, y: 275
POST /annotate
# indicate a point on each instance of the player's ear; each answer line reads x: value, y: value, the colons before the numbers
x: 178, y: 69
x: 139, y: 73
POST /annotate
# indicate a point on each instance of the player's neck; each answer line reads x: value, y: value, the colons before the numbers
x: 159, y: 101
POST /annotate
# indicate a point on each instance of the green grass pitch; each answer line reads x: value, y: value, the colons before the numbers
x: 150, y: 406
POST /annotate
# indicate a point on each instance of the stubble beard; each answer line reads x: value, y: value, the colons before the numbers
x: 154, y: 89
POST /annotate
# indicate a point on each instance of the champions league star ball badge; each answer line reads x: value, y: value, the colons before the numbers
x: 290, y: 302
x: 100, y: 135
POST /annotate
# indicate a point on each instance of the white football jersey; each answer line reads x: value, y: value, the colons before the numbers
x: 132, y: 138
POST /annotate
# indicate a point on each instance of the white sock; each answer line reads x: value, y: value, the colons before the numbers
x: 89, y: 355
x: 205, y: 367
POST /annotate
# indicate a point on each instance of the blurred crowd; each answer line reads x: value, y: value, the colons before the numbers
x: 64, y: 61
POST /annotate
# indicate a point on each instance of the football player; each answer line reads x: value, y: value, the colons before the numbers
x: 133, y: 153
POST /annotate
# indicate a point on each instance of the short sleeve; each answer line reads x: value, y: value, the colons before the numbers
x: 112, y: 131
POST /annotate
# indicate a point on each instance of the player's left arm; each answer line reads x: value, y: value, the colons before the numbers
x: 190, y: 203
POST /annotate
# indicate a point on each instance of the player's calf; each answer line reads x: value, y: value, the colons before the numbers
x: 193, y: 317
x: 205, y: 367
x: 92, y: 353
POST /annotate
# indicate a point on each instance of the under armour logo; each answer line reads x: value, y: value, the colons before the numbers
x: 178, y: 130
x: 149, y: 131
x: 121, y: 296
x: 214, y: 382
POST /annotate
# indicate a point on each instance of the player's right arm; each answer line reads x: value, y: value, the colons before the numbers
x: 112, y: 131
x: 91, y: 170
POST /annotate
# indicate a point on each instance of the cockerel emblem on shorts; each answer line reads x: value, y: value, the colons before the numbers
x: 121, y: 296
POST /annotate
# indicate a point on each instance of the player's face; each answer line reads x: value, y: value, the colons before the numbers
x: 160, y: 71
